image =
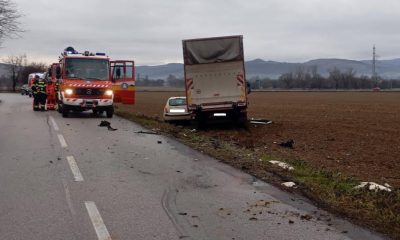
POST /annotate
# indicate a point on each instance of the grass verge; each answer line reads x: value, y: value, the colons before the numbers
x: 379, y: 211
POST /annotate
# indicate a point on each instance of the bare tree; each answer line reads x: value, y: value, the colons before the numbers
x: 335, y: 76
x: 32, y: 67
x: 287, y: 80
x: 9, y: 24
x: 16, y: 67
x: 316, y: 78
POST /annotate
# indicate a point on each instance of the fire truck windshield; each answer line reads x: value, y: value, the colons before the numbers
x: 88, y: 69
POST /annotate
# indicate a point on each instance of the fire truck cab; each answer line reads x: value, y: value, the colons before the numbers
x: 83, y: 82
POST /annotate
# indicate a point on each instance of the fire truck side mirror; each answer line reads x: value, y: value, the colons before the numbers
x: 49, y: 72
x: 58, y: 72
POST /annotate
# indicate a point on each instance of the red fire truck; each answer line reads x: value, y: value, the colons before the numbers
x: 84, y: 81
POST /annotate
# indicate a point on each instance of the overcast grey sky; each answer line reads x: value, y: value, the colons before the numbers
x: 150, y: 32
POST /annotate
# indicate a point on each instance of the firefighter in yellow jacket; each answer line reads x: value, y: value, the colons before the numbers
x: 39, y: 94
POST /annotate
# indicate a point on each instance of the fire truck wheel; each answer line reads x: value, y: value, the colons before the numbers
x: 64, y: 111
x: 110, y: 112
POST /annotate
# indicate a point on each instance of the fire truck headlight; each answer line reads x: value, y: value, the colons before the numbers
x: 68, y: 91
x: 109, y: 92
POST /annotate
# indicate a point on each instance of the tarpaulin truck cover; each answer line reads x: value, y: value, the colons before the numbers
x: 213, y: 50
x: 214, y: 74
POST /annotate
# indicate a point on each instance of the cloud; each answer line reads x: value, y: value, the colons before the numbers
x: 150, y: 32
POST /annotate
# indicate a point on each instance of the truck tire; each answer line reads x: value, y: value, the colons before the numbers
x: 110, y: 112
x: 64, y: 111
x: 200, y: 120
x: 240, y: 119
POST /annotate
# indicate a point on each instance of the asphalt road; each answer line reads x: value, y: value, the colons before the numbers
x: 68, y: 178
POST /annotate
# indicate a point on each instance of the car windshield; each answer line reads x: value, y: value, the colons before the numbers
x: 177, y: 102
x: 88, y: 69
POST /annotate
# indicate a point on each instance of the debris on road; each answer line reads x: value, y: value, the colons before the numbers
x: 306, y: 217
x: 104, y: 124
x: 374, y: 186
x: 147, y: 132
x: 145, y: 173
x: 289, y: 184
x: 282, y: 165
x: 107, y: 124
x: 159, y: 142
x: 288, y: 144
x: 260, y: 121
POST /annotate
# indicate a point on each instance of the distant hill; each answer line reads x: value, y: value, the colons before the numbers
x: 160, y: 71
x: 272, y: 69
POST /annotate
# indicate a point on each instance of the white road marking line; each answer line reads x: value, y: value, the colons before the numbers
x: 62, y: 140
x: 68, y: 197
x: 55, y: 126
x: 97, y: 221
x: 74, y: 168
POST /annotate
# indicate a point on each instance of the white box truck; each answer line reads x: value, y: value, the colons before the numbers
x: 215, y: 78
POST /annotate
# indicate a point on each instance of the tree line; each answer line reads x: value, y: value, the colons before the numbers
x: 170, y: 81
x: 309, y: 78
x: 17, y: 71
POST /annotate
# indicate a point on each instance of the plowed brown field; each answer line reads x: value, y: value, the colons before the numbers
x: 355, y: 133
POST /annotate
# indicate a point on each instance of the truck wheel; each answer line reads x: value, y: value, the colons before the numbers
x: 64, y: 111
x: 110, y: 112
x: 240, y: 119
x: 200, y: 120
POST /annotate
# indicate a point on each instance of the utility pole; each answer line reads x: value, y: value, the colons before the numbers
x: 374, y: 76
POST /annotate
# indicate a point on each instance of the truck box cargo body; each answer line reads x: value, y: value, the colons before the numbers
x: 215, y: 77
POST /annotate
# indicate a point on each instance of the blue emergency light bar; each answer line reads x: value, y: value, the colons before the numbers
x: 70, y: 50
x: 100, y: 54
